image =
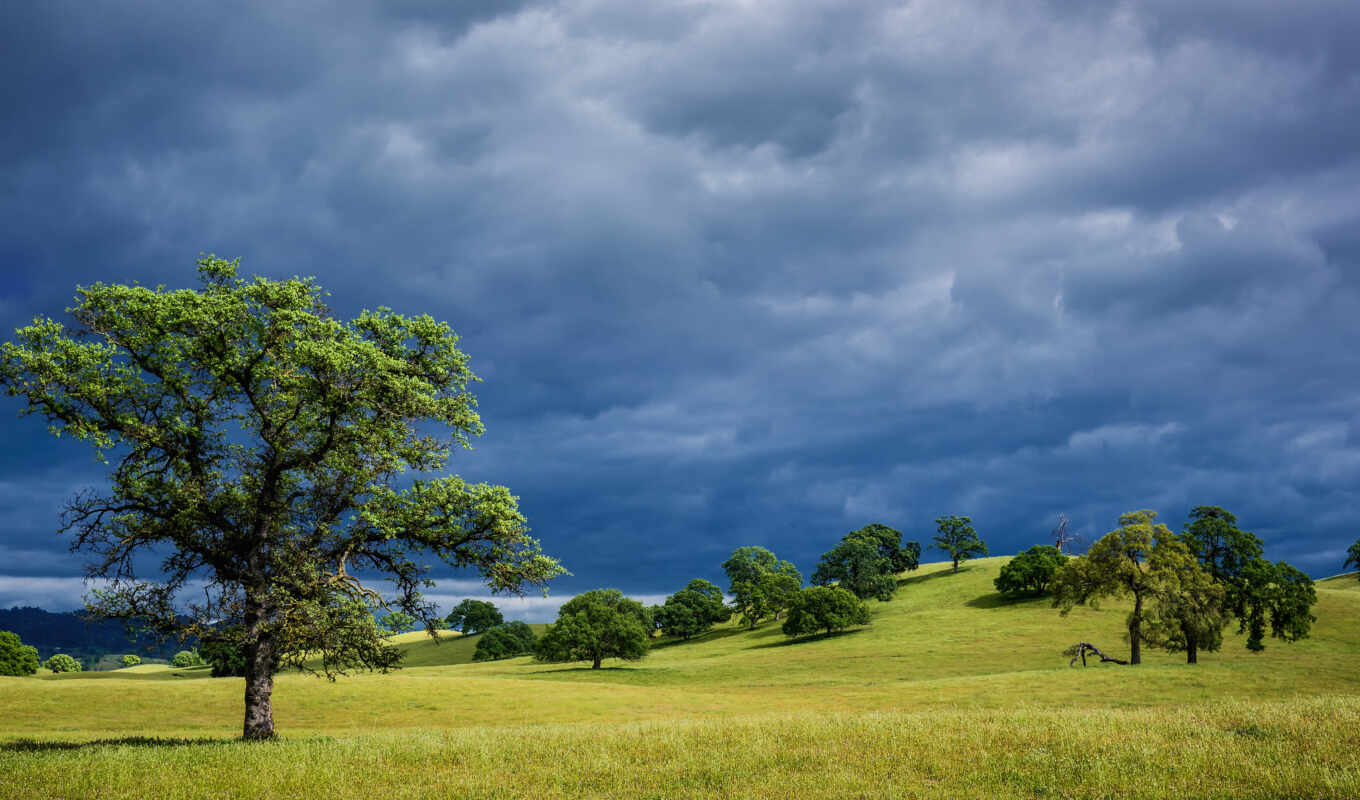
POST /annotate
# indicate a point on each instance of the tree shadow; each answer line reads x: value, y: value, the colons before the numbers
x: 39, y: 746
x: 586, y: 668
x: 710, y: 636
x: 932, y: 576
x: 998, y: 600
x: 806, y: 639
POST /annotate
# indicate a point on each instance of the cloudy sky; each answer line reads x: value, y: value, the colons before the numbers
x: 741, y: 271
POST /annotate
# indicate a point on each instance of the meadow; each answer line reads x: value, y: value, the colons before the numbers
x: 951, y: 692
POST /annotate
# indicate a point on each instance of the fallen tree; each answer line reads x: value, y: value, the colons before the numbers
x: 1080, y: 649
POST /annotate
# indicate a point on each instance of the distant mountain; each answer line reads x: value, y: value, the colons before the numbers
x: 74, y: 633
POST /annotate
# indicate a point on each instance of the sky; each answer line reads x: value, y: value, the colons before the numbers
x: 745, y: 272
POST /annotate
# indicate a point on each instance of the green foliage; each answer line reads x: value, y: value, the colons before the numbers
x: 902, y: 557
x: 131, y: 660
x: 474, y: 616
x: 16, y: 658
x: 396, y: 622
x: 505, y: 641
x: 1030, y: 572
x: 1263, y: 596
x: 186, y: 658
x: 595, y: 625
x: 1275, y: 596
x: 1114, y: 567
x: 61, y: 662
x: 958, y: 539
x: 755, y: 595
x: 857, y: 566
x: 261, y: 446
x: 1353, y: 557
x: 222, y: 649
x: 1189, y: 609
x: 694, y: 609
x: 824, y: 608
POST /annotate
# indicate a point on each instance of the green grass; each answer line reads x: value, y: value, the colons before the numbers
x: 951, y: 691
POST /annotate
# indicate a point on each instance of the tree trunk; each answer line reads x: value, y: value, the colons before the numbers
x: 956, y: 563
x: 259, y: 722
x: 596, y: 665
x: 1135, y: 631
x: 260, y: 660
x: 1191, y: 651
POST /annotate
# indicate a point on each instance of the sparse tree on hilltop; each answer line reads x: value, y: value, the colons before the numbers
x: 958, y: 539
x: 259, y: 445
x: 753, y: 600
x: 1030, y: 572
x: 902, y: 557
x: 856, y: 565
x: 1353, y: 557
x: 692, y: 610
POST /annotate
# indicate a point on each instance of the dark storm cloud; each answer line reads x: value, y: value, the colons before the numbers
x: 750, y: 272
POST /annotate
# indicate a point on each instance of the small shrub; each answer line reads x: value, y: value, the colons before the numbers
x: 186, y: 658
x: 131, y: 660
x: 62, y: 663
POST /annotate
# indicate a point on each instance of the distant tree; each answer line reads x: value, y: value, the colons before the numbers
x: 593, y: 626
x: 186, y: 658
x: 131, y: 660
x: 824, y: 608
x: 901, y: 557
x: 397, y: 621
x: 262, y: 452
x: 1263, y: 596
x: 1353, y: 557
x: 505, y: 641
x: 1115, y: 567
x: 221, y: 648
x: 693, y: 610
x: 857, y: 566
x: 16, y: 658
x: 745, y: 568
x: 474, y: 616
x: 958, y: 539
x: 1188, y: 611
x: 1030, y: 572
x: 61, y: 662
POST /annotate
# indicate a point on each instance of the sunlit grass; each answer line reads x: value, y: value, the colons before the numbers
x: 950, y: 690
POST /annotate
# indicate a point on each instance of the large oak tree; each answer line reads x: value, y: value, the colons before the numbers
x: 258, y: 447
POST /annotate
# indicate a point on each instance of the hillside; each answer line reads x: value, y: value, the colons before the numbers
x: 949, y: 687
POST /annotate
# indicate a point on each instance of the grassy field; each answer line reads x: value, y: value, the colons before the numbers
x: 950, y: 692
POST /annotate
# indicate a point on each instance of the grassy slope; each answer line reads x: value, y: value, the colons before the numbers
x: 947, y: 643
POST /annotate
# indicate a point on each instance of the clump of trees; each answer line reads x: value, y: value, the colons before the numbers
x: 824, y: 609
x: 131, y: 660
x: 16, y: 658
x: 1030, y: 572
x: 691, y: 611
x: 1186, y: 588
x: 187, y: 658
x: 262, y: 446
x: 505, y: 641
x: 61, y: 662
x: 958, y: 539
x: 596, y: 625
x: 1353, y: 557
x: 866, y: 562
x: 761, y: 585
x: 474, y: 616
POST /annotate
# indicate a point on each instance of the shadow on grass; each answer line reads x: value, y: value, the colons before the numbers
x: 918, y: 579
x: 39, y: 746
x: 806, y: 639
x: 998, y: 600
x: 584, y: 669
x: 710, y: 636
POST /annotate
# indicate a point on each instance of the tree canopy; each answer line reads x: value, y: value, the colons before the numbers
x: 505, y: 641
x: 958, y: 539
x: 593, y: 626
x: 259, y: 446
x: 856, y: 565
x: 17, y: 658
x: 824, y: 608
x: 902, y: 557
x: 692, y: 610
x: 61, y: 662
x: 474, y: 616
x: 756, y: 594
x: 1353, y: 557
x: 1030, y: 572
